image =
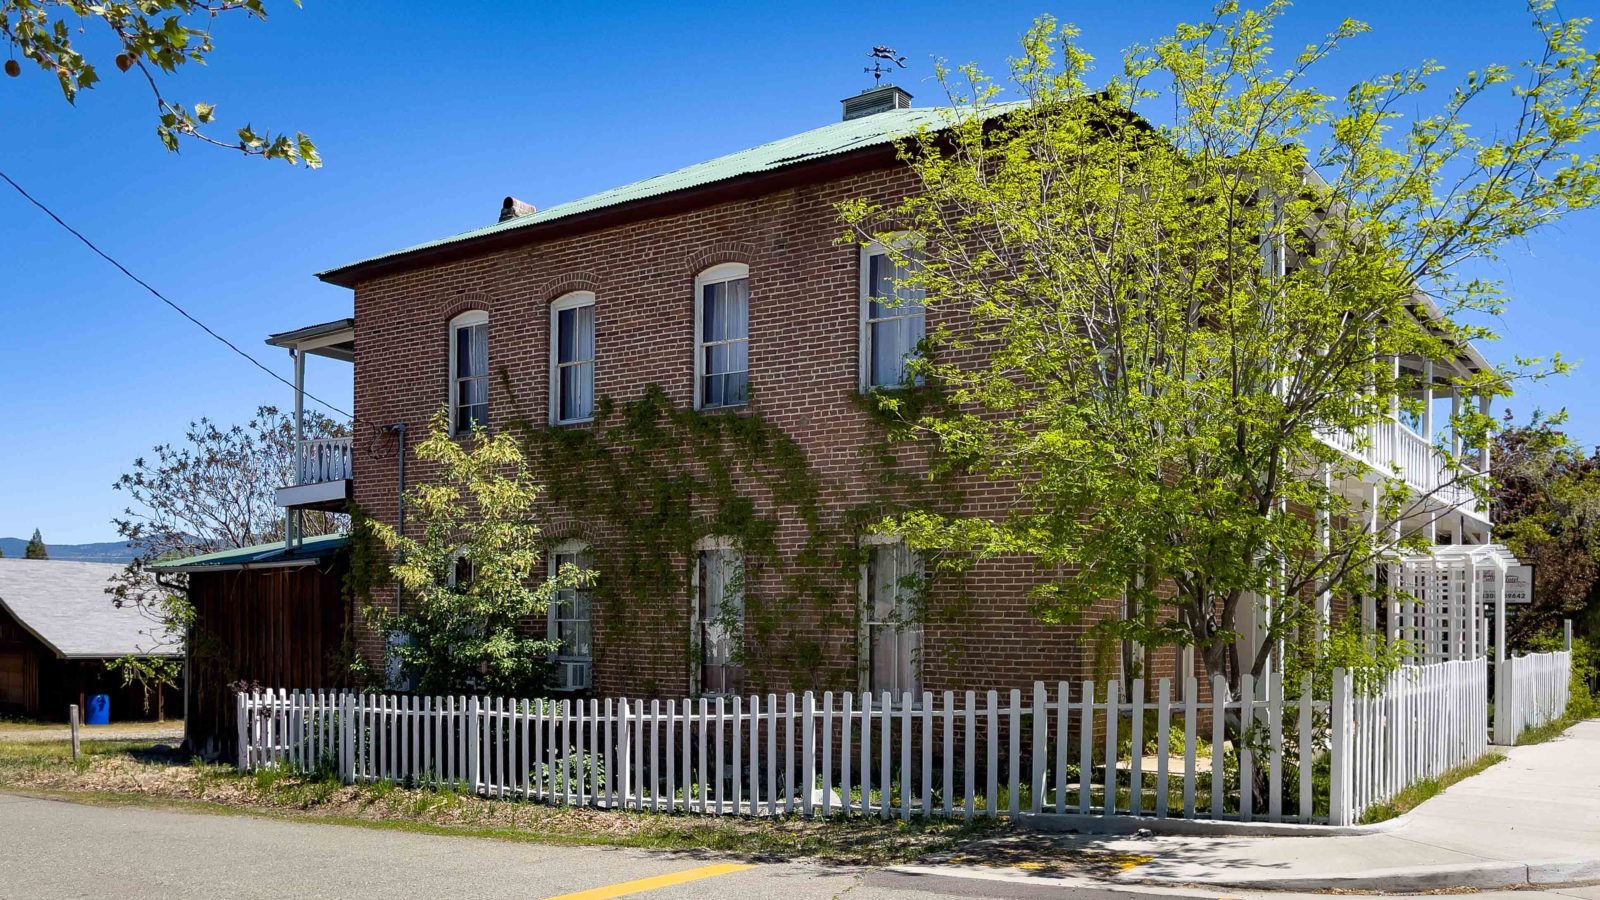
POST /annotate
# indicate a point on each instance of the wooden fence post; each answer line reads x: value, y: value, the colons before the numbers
x: 242, y: 729
x: 1340, y: 810
x: 347, y: 731
x: 474, y: 748
x: 1505, y: 701
x: 72, y: 719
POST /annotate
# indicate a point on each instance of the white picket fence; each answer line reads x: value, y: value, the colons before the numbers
x: 963, y: 756
x: 1530, y: 691
x: 1421, y: 722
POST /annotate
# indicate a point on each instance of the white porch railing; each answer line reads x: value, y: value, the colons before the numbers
x: 1531, y: 690
x: 323, y: 459
x: 1390, y: 446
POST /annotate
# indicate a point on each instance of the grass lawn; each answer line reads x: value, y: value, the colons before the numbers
x: 146, y: 773
x: 14, y: 730
x: 1426, y: 789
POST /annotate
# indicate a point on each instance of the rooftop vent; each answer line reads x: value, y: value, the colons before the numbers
x: 876, y: 100
x: 512, y: 208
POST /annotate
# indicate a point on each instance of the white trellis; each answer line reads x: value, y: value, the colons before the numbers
x: 1442, y: 613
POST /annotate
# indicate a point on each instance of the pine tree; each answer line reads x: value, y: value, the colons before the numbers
x: 36, y: 549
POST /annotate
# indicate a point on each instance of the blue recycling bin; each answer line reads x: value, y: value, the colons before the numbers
x: 99, y: 712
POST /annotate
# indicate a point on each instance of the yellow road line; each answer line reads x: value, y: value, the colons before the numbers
x: 641, y: 885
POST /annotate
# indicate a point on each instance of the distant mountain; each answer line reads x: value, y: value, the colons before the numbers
x: 106, y: 552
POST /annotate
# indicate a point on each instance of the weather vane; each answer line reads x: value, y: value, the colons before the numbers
x: 879, y: 55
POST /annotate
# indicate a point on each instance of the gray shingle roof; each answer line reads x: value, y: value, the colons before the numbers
x: 65, y: 605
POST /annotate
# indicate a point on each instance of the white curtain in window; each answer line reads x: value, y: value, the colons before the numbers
x: 894, y: 629
x: 721, y: 602
x: 724, y: 343
x: 895, y: 322
x: 472, y: 376
x: 575, y: 363
x: 573, y: 614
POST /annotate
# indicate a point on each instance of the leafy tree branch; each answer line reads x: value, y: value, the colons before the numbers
x: 152, y: 37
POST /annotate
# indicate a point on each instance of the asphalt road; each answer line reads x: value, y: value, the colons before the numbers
x: 57, y: 849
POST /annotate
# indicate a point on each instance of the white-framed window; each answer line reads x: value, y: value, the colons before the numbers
x: 469, y: 371
x: 891, y: 621
x: 572, y: 358
x: 722, y: 336
x: 571, y: 619
x: 718, y: 616
x: 460, y: 574
x: 892, y: 319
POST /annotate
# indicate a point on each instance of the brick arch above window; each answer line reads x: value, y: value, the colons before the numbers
x: 567, y: 283
x: 718, y: 253
x: 563, y: 530
x: 467, y: 302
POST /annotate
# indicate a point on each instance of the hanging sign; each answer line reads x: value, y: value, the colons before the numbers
x: 1519, y: 585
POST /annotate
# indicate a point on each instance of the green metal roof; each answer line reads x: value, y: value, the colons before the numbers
x: 311, y: 550
x: 829, y: 140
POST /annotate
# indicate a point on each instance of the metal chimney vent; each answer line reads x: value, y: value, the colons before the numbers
x: 876, y: 100
x: 512, y: 208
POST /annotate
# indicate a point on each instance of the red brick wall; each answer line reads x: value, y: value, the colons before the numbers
x: 803, y: 376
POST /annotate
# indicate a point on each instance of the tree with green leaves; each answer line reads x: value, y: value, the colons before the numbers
x: 211, y: 491
x: 468, y: 571
x: 1155, y: 297
x: 36, y: 548
x: 1547, y: 512
x: 149, y: 40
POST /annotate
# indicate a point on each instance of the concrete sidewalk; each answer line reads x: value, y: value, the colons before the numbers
x: 1533, y: 818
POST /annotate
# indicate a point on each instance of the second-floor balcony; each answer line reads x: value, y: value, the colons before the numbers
x: 322, y: 475
x: 323, y: 467
x: 1390, y: 446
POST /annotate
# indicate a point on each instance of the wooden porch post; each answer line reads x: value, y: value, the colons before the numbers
x: 1455, y: 415
x: 1427, y: 400
x: 1369, y: 602
x: 291, y: 516
x: 1484, y: 465
x: 1502, y: 682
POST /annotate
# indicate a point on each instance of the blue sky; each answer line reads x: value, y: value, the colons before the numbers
x: 427, y: 114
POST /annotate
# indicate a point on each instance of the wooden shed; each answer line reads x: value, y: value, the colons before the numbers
x: 59, y: 628
x: 267, y: 616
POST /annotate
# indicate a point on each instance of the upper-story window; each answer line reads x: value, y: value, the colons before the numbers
x: 722, y: 336
x: 469, y: 371
x: 572, y: 358
x: 719, y: 615
x: 891, y: 581
x: 892, y: 320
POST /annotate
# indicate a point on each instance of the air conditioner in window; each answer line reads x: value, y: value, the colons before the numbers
x: 574, y: 676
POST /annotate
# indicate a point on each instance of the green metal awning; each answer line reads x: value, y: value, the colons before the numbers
x: 276, y: 555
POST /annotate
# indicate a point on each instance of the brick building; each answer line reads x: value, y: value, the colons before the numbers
x: 686, y: 358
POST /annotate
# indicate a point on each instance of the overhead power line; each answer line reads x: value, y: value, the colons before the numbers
x: 163, y: 298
